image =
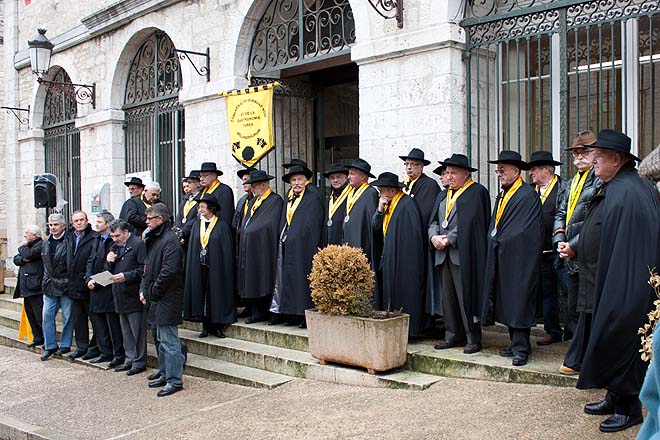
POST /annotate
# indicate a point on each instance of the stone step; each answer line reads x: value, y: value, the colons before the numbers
x: 298, y: 363
x: 9, y: 285
x: 9, y: 303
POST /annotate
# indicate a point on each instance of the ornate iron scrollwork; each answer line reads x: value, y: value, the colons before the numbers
x: 60, y: 104
x: 201, y: 71
x: 14, y: 110
x: 389, y: 9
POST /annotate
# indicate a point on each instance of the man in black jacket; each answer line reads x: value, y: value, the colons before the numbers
x: 133, y: 209
x: 105, y: 320
x: 162, y: 286
x: 126, y: 262
x: 30, y: 276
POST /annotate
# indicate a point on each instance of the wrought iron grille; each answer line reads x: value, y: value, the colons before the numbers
x: 62, y: 142
x: 154, y: 134
x: 539, y: 71
x: 293, y: 32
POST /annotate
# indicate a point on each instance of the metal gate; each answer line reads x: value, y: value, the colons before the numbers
x: 539, y: 71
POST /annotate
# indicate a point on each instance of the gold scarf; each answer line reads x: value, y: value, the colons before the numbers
x: 390, y: 211
x: 204, y: 232
x: 259, y: 201
x: 505, y: 200
x: 333, y: 204
x: 451, y: 199
x: 291, y: 207
x: 577, y: 185
x: 408, y: 185
x: 548, y: 190
x: 188, y: 206
x: 211, y: 188
x: 355, y: 196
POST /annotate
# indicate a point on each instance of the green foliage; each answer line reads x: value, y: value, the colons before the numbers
x: 342, y: 281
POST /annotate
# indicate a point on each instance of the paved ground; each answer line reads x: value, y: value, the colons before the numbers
x: 84, y: 403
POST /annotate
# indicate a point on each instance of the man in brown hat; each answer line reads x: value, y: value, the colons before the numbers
x: 548, y: 185
x: 457, y: 236
x: 571, y: 211
x: 208, y: 177
x: 513, y: 261
x: 418, y: 185
x: 336, y: 203
x: 133, y: 209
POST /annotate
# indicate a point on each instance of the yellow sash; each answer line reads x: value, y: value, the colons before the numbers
x: 259, y: 201
x: 291, y: 207
x: 245, y: 206
x: 548, y: 190
x: 355, y: 196
x: 577, y: 185
x: 148, y: 205
x: 204, y: 232
x: 390, y: 211
x: 451, y: 199
x: 408, y: 185
x: 505, y: 200
x: 333, y: 205
x: 188, y: 206
x: 211, y: 188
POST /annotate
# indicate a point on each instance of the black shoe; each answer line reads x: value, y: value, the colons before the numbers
x: 91, y: 354
x: 445, y: 344
x: 472, y: 348
x: 169, y: 389
x: 619, y: 422
x: 255, y: 319
x: 519, y: 360
x: 154, y: 376
x: 602, y: 408
x: 116, y: 362
x: 134, y: 371
x: 101, y: 359
x: 275, y: 319
x: 204, y: 334
x: 293, y: 322
x: 506, y: 352
x: 47, y: 354
x: 218, y: 333
x: 36, y: 343
x: 76, y: 354
x: 547, y: 340
x: 160, y: 382
x: 63, y: 350
x: 123, y: 367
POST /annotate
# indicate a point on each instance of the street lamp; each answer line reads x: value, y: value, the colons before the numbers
x: 40, y: 51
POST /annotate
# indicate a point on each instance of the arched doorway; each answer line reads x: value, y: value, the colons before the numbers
x: 305, y: 44
x: 62, y: 140
x: 154, y: 135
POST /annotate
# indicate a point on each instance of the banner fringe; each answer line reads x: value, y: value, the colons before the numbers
x: 254, y: 89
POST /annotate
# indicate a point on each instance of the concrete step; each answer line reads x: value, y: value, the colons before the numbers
x: 9, y: 285
x: 9, y: 303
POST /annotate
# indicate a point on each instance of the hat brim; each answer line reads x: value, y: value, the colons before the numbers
x: 450, y: 164
x: 517, y: 163
x: 327, y: 174
x: 257, y: 180
x: 607, y: 147
x: 386, y: 184
x: 438, y: 170
x: 364, y: 171
x: 127, y: 184
x: 307, y: 173
x: 424, y: 161
x: 538, y: 163
x: 241, y: 173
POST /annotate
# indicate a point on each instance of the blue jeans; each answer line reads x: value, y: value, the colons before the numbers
x: 170, y: 359
x: 51, y: 305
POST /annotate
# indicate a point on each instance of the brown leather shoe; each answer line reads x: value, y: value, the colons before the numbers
x: 547, y: 340
x: 568, y: 371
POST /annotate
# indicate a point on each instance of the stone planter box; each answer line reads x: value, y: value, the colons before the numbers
x: 374, y: 344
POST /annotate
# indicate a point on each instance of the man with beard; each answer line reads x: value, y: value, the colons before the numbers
x: 208, y: 177
x: 568, y: 222
x: 418, y: 185
x: 397, y: 227
x: 458, y: 237
x: 514, y: 257
x: 257, y: 256
x: 187, y: 213
x: 133, y: 209
x: 336, y: 203
x: 301, y: 235
x: 618, y: 244
x: 209, y: 281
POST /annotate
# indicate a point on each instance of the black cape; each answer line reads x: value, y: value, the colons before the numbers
x: 425, y: 192
x: 623, y: 297
x: 433, y: 285
x: 133, y: 211
x: 258, y: 248
x: 225, y: 197
x: 334, y: 232
x: 358, y: 231
x: 185, y: 226
x: 209, y: 292
x: 549, y: 210
x: 297, y: 246
x: 402, y: 263
x: 513, y: 264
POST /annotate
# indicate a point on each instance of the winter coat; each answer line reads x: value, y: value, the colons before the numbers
x: 30, y: 269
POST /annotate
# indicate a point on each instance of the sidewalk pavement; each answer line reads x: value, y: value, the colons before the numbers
x: 62, y: 400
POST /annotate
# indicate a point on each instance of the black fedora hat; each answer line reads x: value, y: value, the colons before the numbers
x: 512, y: 158
x: 416, y: 154
x: 388, y: 180
x: 134, y: 181
x: 456, y: 160
x: 362, y: 165
x: 259, y: 176
x: 297, y: 169
x: 334, y: 169
x: 210, y: 167
x: 539, y: 158
x: 441, y: 168
x: 194, y: 175
x: 614, y: 140
x: 293, y: 162
x: 244, y: 171
x: 209, y: 199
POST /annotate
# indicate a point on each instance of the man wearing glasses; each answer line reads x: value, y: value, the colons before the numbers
x: 571, y: 210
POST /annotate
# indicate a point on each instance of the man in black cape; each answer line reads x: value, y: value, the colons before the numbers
x: 302, y: 163
x: 397, y: 224
x: 209, y: 280
x: 513, y: 264
x: 187, y: 212
x: 620, y: 235
x: 336, y: 203
x: 361, y: 204
x: 301, y: 235
x: 239, y: 214
x: 257, y: 257
x: 433, y: 282
x: 133, y: 209
x: 208, y: 177
x: 420, y: 187
x: 458, y: 236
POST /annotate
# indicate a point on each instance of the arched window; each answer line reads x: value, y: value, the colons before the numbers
x: 293, y: 32
x: 62, y: 140
x: 154, y: 127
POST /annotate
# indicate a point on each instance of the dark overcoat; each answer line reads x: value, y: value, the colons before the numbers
x: 77, y: 262
x: 425, y: 192
x: 100, y: 298
x: 30, y: 269
x: 130, y: 262
x: 56, y: 278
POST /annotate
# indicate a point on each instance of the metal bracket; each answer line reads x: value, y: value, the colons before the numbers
x: 385, y: 7
x: 81, y: 93
x: 203, y: 70
x: 13, y: 110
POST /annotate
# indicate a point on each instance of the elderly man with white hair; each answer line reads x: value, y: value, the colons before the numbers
x: 30, y: 275
x: 133, y: 210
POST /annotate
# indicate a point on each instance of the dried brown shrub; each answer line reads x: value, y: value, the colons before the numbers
x: 646, y: 332
x: 342, y: 281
